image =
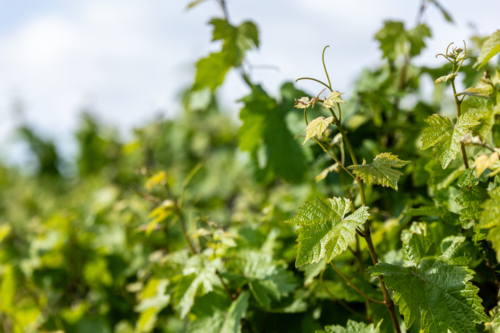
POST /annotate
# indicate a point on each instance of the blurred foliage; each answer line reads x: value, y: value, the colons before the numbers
x: 181, y: 228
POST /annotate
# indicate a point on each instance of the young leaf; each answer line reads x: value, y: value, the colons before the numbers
x: 381, y: 171
x: 446, y: 137
x: 486, y: 161
x: 490, y: 48
x: 333, y: 98
x: 494, y: 325
x: 445, y: 78
x: 436, y: 293
x: 324, y: 230
x: 352, y: 327
x: 317, y: 127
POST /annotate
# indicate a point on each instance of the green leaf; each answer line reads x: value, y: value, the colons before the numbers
x: 333, y: 98
x: 490, y: 219
x: 237, y: 40
x: 471, y: 199
x: 490, y: 48
x: 198, y: 276
x: 213, y: 314
x: 417, y: 244
x: 395, y: 40
x: 268, y: 279
x: 445, y: 13
x: 194, y: 3
x: 392, y: 38
x: 445, y: 78
x: 211, y: 71
x: 317, y: 127
x: 352, y: 327
x: 381, y: 171
x: 446, y: 137
x: 153, y: 300
x: 416, y: 36
x: 264, y: 127
x: 436, y: 293
x: 324, y: 230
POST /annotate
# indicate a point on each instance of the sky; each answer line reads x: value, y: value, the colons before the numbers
x: 126, y: 61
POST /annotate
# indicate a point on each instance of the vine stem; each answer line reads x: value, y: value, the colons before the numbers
x: 178, y: 211
x: 355, y: 288
x: 458, y: 103
x: 334, y: 158
x: 344, y: 305
x: 367, y: 233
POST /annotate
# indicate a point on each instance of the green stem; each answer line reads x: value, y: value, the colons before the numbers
x: 310, y: 78
x: 355, y: 288
x: 458, y: 103
x: 181, y: 218
x: 334, y: 158
x: 345, y: 306
x: 367, y: 233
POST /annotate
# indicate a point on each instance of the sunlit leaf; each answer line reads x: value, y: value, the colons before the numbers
x: 381, y: 171
x: 446, y: 137
x: 490, y: 48
x: 317, y: 127
x: 325, y: 230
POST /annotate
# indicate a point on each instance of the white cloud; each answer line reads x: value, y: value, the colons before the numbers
x: 128, y: 59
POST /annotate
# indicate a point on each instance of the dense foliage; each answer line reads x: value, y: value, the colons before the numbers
x: 202, y: 225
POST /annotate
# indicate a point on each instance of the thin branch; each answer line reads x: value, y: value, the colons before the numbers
x: 355, y: 288
x: 344, y: 305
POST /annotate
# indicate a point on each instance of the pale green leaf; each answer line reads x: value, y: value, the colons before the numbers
x: 446, y: 137
x: 490, y: 48
x: 485, y: 91
x: 199, y: 276
x: 352, y: 327
x: 445, y: 78
x: 302, y: 103
x: 494, y: 325
x: 381, y: 171
x: 317, y: 127
x: 325, y: 230
x: 333, y: 98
